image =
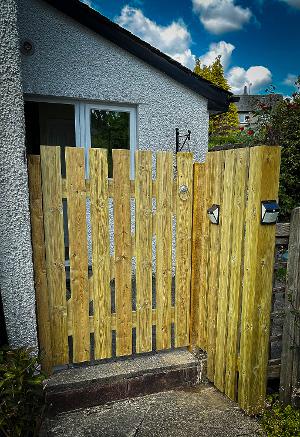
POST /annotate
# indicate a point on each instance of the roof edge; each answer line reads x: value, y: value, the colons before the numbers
x: 218, y: 99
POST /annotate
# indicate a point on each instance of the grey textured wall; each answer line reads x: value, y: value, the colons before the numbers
x: 72, y: 61
x: 16, y: 275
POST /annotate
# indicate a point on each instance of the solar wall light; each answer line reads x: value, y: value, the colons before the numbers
x: 214, y: 214
x: 269, y: 212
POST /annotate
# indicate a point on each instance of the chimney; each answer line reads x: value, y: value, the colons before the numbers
x: 245, y: 90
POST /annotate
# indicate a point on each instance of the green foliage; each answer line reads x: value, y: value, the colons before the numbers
x: 245, y: 136
x: 280, y: 421
x: 219, y: 124
x: 280, y: 274
x: 21, y: 393
x: 277, y: 124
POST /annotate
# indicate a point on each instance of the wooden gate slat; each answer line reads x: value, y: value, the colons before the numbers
x: 258, y: 268
x: 200, y: 256
x: 224, y: 268
x: 77, y: 230
x: 235, y: 284
x: 164, y: 183
x: 184, y: 207
x: 39, y: 260
x: 143, y: 237
x: 101, y: 253
x: 215, y: 161
x: 123, y: 255
x: 55, y: 251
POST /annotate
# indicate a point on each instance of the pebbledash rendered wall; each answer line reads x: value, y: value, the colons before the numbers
x: 16, y: 273
x: 70, y: 61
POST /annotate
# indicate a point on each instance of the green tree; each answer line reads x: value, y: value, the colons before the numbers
x: 219, y: 124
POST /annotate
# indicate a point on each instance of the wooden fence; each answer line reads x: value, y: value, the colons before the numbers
x: 221, y: 301
x: 99, y: 300
x: 233, y: 268
x: 290, y: 358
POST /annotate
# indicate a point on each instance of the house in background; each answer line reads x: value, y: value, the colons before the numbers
x: 248, y: 104
x: 72, y: 77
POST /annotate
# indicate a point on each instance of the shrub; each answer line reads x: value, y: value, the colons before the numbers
x: 21, y: 393
x: 280, y: 421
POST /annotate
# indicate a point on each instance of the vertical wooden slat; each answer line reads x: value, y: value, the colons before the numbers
x: 215, y: 161
x: 184, y: 205
x: 290, y: 357
x: 236, y: 261
x: 258, y: 268
x: 224, y: 269
x: 76, y: 201
x: 55, y: 251
x: 143, y: 237
x: 39, y: 260
x: 101, y: 252
x: 164, y: 183
x: 198, y: 323
x: 123, y: 255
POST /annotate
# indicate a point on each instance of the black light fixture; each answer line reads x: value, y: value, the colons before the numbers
x: 186, y: 138
x: 214, y: 214
x: 269, y: 212
x: 27, y: 47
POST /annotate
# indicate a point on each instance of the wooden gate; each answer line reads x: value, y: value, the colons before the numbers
x: 139, y: 267
x: 232, y: 270
x: 89, y: 302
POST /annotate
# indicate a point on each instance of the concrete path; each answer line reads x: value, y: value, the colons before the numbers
x: 188, y: 412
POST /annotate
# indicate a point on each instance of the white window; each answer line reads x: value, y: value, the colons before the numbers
x: 87, y: 125
x: 244, y: 118
x: 106, y: 126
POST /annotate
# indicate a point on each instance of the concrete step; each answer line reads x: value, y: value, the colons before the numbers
x: 89, y: 386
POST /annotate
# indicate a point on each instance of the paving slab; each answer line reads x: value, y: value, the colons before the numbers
x: 185, y: 412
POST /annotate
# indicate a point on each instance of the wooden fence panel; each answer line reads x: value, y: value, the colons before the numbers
x: 39, y: 261
x: 123, y: 251
x: 290, y: 358
x: 215, y: 161
x: 224, y: 268
x: 236, y: 262
x: 77, y: 228
x: 200, y: 241
x: 258, y: 268
x: 55, y: 251
x: 184, y: 207
x: 101, y: 253
x: 143, y: 237
x: 164, y: 184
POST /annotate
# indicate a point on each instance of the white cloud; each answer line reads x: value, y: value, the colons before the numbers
x: 173, y: 39
x: 221, y: 48
x: 290, y: 79
x: 258, y: 76
x: 293, y: 3
x: 220, y: 16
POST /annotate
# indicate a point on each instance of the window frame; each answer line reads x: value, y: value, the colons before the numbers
x: 88, y: 107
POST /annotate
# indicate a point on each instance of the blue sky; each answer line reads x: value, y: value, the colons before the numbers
x: 258, y: 40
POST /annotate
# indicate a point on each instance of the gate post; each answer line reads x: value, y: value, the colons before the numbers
x: 258, y: 272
